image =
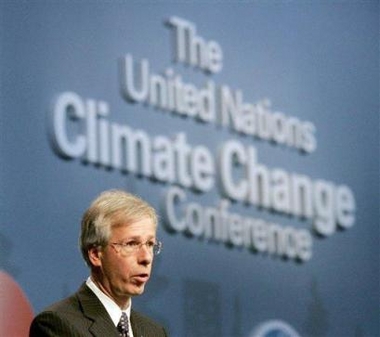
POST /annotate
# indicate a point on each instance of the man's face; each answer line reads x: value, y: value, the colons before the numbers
x: 124, y: 274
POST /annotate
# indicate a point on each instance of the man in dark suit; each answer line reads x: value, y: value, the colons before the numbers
x: 118, y: 242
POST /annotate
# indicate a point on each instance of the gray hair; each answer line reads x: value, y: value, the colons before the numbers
x: 111, y: 208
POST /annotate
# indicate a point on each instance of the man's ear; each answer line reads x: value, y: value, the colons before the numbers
x: 95, y: 256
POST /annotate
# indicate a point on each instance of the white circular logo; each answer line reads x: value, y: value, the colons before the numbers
x: 274, y: 328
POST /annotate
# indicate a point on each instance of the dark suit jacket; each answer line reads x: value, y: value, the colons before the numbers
x: 82, y: 315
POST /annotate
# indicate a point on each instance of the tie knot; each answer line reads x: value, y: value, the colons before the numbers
x: 122, y: 327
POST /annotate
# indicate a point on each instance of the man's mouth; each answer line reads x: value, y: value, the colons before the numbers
x: 141, y: 278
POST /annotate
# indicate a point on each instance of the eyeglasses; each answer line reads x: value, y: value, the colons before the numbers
x: 130, y: 247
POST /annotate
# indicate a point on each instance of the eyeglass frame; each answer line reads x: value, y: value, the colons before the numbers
x: 133, y: 246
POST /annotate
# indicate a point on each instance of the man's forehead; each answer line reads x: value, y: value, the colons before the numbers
x: 144, y: 224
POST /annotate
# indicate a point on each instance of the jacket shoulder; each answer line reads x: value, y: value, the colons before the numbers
x: 145, y: 326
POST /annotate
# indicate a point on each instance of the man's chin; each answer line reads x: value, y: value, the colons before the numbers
x: 137, y: 289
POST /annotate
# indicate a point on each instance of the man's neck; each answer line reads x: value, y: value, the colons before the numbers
x: 102, y: 286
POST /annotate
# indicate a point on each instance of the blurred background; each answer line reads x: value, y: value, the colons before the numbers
x: 316, y: 62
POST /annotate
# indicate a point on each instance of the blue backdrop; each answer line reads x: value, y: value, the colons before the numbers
x: 316, y: 61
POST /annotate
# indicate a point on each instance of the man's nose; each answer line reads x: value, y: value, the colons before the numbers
x: 145, y: 255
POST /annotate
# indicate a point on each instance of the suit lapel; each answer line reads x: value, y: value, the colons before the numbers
x: 94, y: 310
x: 137, y: 327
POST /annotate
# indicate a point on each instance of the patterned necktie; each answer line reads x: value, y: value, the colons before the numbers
x: 122, y: 327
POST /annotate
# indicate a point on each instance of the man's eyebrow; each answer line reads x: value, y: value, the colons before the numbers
x: 139, y: 237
